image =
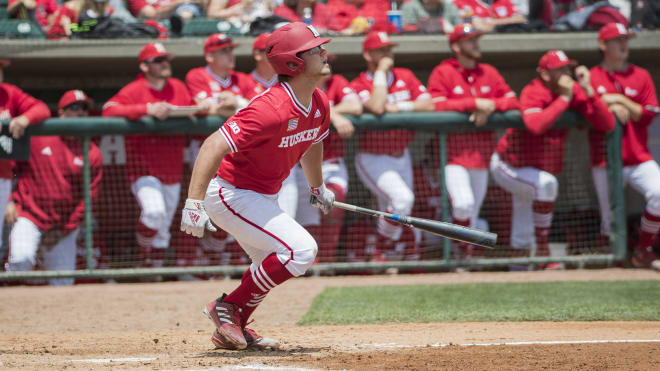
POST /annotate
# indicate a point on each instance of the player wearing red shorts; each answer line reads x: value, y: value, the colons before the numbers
x: 629, y: 93
x: 526, y: 161
x: 240, y: 169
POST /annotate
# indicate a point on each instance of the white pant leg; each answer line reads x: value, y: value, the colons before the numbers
x: 599, y: 175
x: 334, y: 172
x: 459, y: 192
x: 390, y: 179
x: 645, y: 179
x: 260, y: 226
x: 5, y: 190
x: 158, y: 203
x: 62, y: 256
x: 287, y: 198
x: 23, y: 245
x: 522, y: 228
x: 479, y: 182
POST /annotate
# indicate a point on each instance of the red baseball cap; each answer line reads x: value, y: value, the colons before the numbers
x: 555, y: 59
x: 153, y: 50
x: 463, y: 31
x: 377, y: 40
x: 73, y: 96
x: 612, y: 30
x: 218, y: 41
x: 260, y: 41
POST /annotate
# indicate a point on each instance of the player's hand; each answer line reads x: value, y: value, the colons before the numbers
x: 344, y: 126
x: 194, y: 219
x: 611, y: 98
x: 565, y: 85
x: 391, y: 108
x: 385, y: 64
x: 17, y: 126
x: 228, y: 100
x: 160, y: 110
x: 484, y: 105
x: 11, y: 213
x: 479, y: 118
x: 29, y: 4
x: 322, y: 198
x: 206, y: 106
x: 584, y: 79
x: 621, y: 112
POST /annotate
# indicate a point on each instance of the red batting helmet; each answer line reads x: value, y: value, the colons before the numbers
x: 287, y: 41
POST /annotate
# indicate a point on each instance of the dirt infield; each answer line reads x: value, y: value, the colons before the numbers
x: 160, y: 326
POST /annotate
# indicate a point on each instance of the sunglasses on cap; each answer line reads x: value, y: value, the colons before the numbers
x: 157, y: 60
x: 315, y: 50
x: 77, y: 106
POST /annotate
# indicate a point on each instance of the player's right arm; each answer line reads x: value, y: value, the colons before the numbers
x: 211, y: 153
x: 376, y: 102
x: 539, y: 116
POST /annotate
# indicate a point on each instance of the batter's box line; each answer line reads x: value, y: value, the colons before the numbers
x: 554, y: 342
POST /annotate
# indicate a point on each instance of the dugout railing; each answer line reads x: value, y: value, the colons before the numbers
x: 440, y: 123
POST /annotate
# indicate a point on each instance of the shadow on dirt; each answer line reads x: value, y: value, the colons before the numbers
x: 222, y: 353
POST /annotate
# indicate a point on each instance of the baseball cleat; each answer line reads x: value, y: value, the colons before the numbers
x: 227, y: 319
x: 254, y: 341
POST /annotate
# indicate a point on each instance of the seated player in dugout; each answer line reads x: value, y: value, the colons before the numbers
x: 51, y: 220
x: 263, y: 76
x: 383, y: 161
x: 463, y: 84
x: 22, y: 110
x: 240, y: 169
x: 629, y: 92
x: 527, y: 161
x: 154, y: 163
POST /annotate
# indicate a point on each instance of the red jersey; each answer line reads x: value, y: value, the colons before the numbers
x: 156, y: 155
x: 455, y: 88
x: 636, y: 84
x: 542, y: 146
x: 373, y: 10
x: 260, y: 84
x: 337, y: 90
x: 136, y: 5
x: 43, y: 9
x: 14, y: 102
x: 402, y: 85
x: 322, y: 17
x: 269, y: 136
x: 478, y: 8
x: 49, y: 190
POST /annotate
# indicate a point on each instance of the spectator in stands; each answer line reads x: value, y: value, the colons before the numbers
x: 463, y: 84
x: 526, y: 161
x: 67, y: 14
x: 355, y: 17
x: 177, y: 11
x: 263, y: 76
x: 308, y: 10
x: 22, y: 110
x: 38, y: 11
x: 485, y: 16
x: 629, y: 93
x: 51, y: 220
x: 154, y: 163
x: 240, y: 13
x: 225, y: 91
x: 431, y: 16
x: 383, y: 161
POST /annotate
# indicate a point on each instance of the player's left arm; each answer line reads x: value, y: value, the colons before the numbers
x: 32, y: 111
x: 421, y: 98
x: 96, y: 168
x: 645, y: 111
x: 505, y: 99
x: 311, y: 164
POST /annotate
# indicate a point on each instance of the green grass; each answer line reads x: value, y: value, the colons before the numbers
x: 484, y: 302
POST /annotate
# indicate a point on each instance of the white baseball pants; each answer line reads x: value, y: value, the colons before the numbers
x: 466, y: 189
x: 24, y: 242
x: 158, y: 203
x: 5, y: 191
x: 334, y: 172
x: 260, y: 226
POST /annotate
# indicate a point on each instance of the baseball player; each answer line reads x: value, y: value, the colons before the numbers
x: 263, y: 76
x: 51, y: 219
x: 526, y: 161
x: 629, y: 93
x: 463, y: 84
x: 383, y: 161
x: 343, y: 100
x: 154, y: 164
x: 253, y: 153
x: 22, y: 110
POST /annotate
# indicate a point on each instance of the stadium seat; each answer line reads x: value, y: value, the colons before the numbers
x: 205, y: 27
x: 19, y: 29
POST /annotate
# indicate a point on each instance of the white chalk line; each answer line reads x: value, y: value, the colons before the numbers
x: 554, y: 342
x: 113, y: 360
x: 254, y: 366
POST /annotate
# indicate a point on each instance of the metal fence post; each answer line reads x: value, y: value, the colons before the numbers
x: 618, y: 236
x: 88, y: 204
x: 446, y: 244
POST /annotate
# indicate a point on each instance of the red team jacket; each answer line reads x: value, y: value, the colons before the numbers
x: 49, y: 190
x: 269, y: 136
x: 337, y: 90
x: 156, y: 155
x: 14, y: 102
x: 402, y: 86
x: 636, y: 84
x: 455, y: 88
x: 542, y: 146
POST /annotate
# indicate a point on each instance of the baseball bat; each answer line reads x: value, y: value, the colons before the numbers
x: 448, y: 230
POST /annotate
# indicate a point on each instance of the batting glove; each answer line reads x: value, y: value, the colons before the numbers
x: 194, y: 219
x: 322, y: 198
